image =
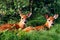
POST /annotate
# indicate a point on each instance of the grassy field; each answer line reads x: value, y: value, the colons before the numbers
x: 52, y: 34
x: 9, y: 14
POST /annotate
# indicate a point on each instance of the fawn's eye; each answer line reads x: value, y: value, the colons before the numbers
x: 22, y: 18
x: 48, y: 20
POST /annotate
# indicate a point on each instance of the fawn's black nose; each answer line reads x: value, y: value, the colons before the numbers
x: 53, y: 24
x: 25, y: 22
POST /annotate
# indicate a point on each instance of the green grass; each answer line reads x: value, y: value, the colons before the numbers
x: 8, y: 9
x: 52, y: 34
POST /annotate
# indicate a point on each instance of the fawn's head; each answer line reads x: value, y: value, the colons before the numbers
x: 24, y: 17
x: 50, y: 20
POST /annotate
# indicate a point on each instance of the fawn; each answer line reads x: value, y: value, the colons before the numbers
x: 48, y: 24
x: 20, y: 24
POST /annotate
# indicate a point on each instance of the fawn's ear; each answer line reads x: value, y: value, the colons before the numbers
x: 29, y: 14
x: 56, y: 16
x: 46, y: 16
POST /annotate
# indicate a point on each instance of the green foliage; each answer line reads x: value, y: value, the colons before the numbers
x: 9, y: 14
x: 8, y: 35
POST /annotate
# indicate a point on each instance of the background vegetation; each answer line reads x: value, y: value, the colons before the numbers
x: 9, y: 14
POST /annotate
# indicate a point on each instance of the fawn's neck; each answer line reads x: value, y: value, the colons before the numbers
x: 21, y: 24
x: 46, y: 25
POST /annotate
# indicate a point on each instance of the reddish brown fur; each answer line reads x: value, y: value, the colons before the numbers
x: 51, y: 18
x: 6, y: 26
x: 24, y: 16
x: 28, y: 29
x: 9, y: 26
x: 39, y: 27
